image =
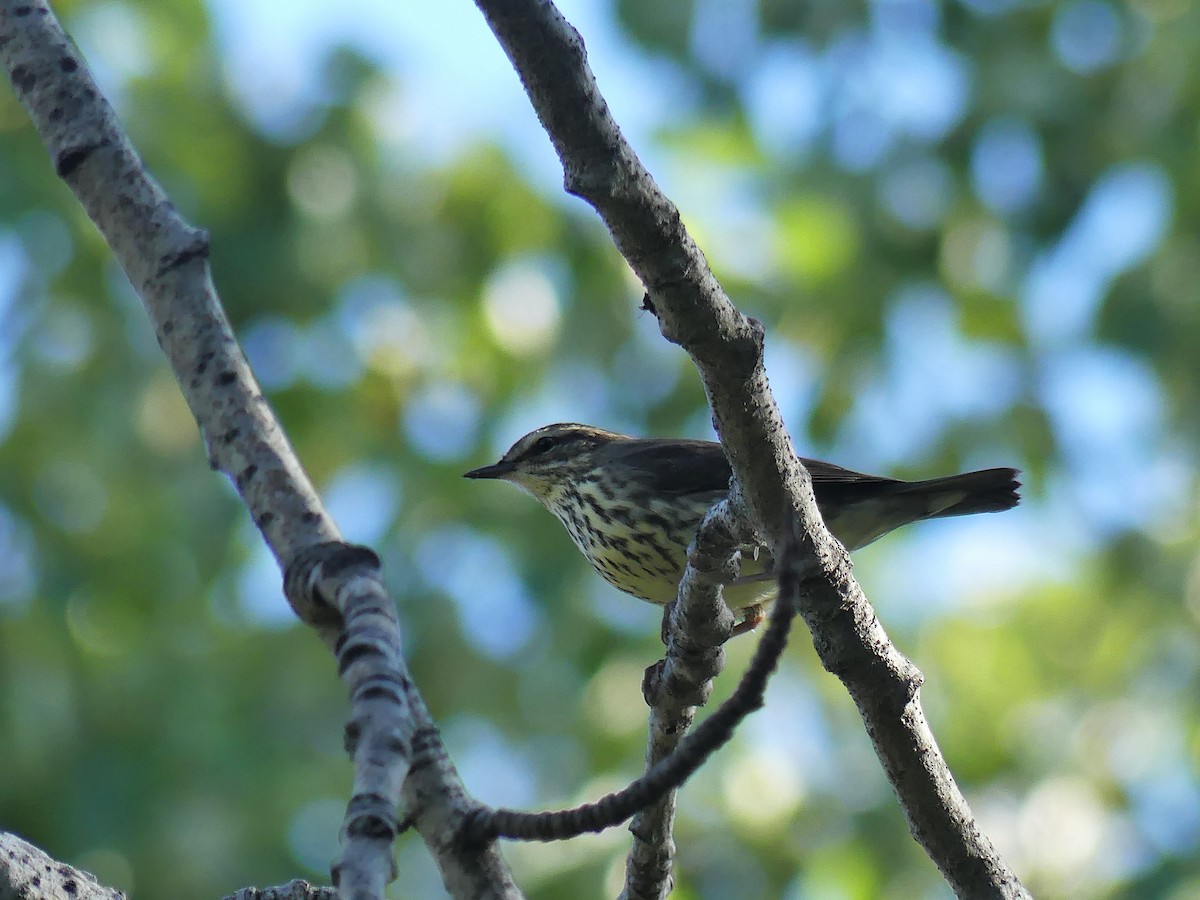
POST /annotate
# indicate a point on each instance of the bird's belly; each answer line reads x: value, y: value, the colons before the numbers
x: 641, y: 565
x: 637, y: 564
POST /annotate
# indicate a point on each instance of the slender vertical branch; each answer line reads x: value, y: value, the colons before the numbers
x: 698, y: 624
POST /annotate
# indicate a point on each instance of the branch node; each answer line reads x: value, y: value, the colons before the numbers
x: 478, y: 825
x: 69, y: 160
x: 314, y: 566
x: 197, y: 247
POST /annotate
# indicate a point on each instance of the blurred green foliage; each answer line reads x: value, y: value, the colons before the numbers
x: 970, y: 231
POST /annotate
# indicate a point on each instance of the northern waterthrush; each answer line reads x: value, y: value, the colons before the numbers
x: 632, y: 505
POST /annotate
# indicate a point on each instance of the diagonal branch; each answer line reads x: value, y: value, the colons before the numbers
x: 336, y: 588
x: 693, y: 311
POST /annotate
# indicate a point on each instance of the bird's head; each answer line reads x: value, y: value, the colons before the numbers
x: 543, y: 461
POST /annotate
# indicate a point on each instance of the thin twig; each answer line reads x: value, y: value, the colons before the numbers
x: 672, y: 771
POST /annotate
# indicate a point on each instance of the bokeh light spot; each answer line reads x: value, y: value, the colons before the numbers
x: 918, y: 192
x: 363, y: 500
x: 492, y: 768
x: 783, y: 99
x: 17, y: 569
x: 607, y: 705
x: 1120, y: 223
x: 100, y: 628
x: 260, y: 585
x: 164, y: 421
x: 70, y: 495
x: 761, y: 789
x: 273, y: 345
x: 977, y: 254
x: 494, y: 609
x: 1006, y: 165
x: 1061, y: 826
x: 322, y: 182
x: 389, y: 335
x: 63, y: 338
x: 1086, y: 35
x: 817, y: 238
x: 47, y: 240
x: 521, y: 307
x: 312, y: 833
x: 441, y: 421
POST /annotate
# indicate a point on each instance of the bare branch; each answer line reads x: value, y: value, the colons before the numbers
x: 26, y: 871
x: 293, y: 890
x: 394, y: 740
x: 698, y: 625
x: 726, y: 346
x: 686, y: 756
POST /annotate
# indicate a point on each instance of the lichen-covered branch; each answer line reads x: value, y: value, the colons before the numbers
x: 699, y: 623
x: 693, y: 311
x: 336, y: 588
x: 293, y: 890
x: 26, y: 871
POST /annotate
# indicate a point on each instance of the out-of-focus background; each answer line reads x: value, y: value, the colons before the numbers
x: 971, y: 232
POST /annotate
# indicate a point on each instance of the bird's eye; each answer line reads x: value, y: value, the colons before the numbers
x: 542, y: 444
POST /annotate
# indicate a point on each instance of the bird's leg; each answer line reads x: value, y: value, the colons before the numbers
x: 752, y: 617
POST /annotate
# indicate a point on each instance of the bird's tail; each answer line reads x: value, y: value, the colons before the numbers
x: 989, y: 490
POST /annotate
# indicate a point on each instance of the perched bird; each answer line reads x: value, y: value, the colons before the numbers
x: 632, y: 505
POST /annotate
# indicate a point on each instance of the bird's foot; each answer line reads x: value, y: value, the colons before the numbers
x: 752, y: 617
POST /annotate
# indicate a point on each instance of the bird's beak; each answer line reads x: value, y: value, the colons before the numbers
x: 499, y: 470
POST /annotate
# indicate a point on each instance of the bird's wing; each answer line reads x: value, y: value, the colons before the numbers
x: 680, y: 467
x: 824, y: 473
x: 677, y: 467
